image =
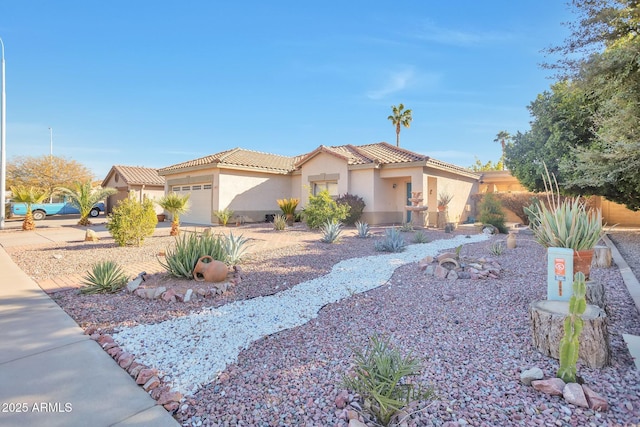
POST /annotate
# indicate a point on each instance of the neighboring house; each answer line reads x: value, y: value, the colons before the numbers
x: 250, y: 182
x: 504, y: 182
x: 144, y: 182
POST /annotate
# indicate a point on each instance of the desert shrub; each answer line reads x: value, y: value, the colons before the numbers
x: 279, y: 222
x: 356, y: 206
x: 104, y: 277
x: 323, y: 208
x: 363, y: 229
x: 420, y: 237
x: 491, y: 212
x: 223, y: 216
x: 331, y: 232
x: 496, y: 248
x: 406, y: 227
x: 132, y: 221
x: 392, y: 241
x: 181, y: 258
x: 382, y: 377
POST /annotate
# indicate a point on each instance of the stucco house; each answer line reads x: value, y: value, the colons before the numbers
x: 145, y: 182
x: 249, y: 182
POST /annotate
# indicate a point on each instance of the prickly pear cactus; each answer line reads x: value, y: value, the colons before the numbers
x: 572, y: 328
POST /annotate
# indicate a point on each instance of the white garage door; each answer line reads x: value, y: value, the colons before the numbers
x: 199, y: 202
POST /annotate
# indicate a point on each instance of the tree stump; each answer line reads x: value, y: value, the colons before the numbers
x: 547, y: 321
x: 595, y: 294
x: 602, y: 256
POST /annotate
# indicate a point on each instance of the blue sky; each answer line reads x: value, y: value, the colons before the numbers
x: 151, y: 84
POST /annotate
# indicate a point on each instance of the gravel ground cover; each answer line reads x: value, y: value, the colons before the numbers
x: 474, y: 345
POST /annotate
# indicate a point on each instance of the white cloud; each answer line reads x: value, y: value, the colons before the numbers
x: 395, y: 83
x: 434, y: 33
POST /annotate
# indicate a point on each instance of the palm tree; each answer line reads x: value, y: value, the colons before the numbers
x: 502, y: 137
x: 398, y: 118
x: 176, y: 205
x: 84, y: 196
x: 28, y: 196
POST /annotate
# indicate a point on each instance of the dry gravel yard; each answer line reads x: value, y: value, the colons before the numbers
x: 474, y: 335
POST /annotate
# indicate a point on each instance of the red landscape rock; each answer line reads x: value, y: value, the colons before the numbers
x: 551, y: 386
x: 596, y: 402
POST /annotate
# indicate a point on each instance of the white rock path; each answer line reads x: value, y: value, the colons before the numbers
x: 191, y: 351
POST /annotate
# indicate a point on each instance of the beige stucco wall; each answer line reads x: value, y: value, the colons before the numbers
x: 461, y: 187
x: 614, y: 213
x: 326, y: 165
x: 251, y: 195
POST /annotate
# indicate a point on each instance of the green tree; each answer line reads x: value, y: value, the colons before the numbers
x: 562, y: 122
x: 400, y: 117
x: 47, y: 172
x: 502, y: 137
x: 176, y: 205
x: 28, y: 196
x: 84, y: 196
x: 478, y: 166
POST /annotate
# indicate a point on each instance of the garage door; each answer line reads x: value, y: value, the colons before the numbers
x: 199, y: 202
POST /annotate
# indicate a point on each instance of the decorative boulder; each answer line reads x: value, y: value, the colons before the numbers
x: 90, y: 236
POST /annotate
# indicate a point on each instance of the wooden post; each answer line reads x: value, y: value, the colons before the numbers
x: 547, y: 320
x: 602, y: 256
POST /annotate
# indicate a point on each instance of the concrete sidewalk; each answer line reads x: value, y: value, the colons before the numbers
x: 51, y: 374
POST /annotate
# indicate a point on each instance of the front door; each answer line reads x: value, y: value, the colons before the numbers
x: 408, y: 202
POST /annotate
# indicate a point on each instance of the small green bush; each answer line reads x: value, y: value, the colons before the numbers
x: 356, y: 206
x: 392, y: 241
x: 381, y: 377
x: 131, y: 221
x: 331, y: 232
x: 491, y: 212
x: 104, y: 277
x: 406, y: 227
x: 323, y: 208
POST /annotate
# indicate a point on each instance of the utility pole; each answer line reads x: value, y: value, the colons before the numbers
x: 3, y: 137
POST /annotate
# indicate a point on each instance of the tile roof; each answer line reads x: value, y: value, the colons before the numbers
x: 137, y: 175
x: 380, y: 153
x: 240, y: 157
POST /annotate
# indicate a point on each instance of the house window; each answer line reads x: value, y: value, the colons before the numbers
x: 197, y: 187
x: 207, y: 187
x: 330, y: 186
x: 174, y: 189
x: 186, y: 188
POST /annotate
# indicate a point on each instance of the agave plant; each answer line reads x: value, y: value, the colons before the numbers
x: 331, y: 231
x: 392, y: 241
x: 364, y: 230
x: 565, y: 223
x: 104, y: 277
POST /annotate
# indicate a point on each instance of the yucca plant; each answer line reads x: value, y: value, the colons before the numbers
x: 279, y: 222
x: 28, y: 196
x: 392, y: 241
x: 181, y: 258
x: 381, y: 377
x: 331, y: 231
x: 176, y: 205
x: 104, y: 277
x: 420, y: 237
x: 364, y: 230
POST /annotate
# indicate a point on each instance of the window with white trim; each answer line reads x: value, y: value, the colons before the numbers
x: 330, y: 186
